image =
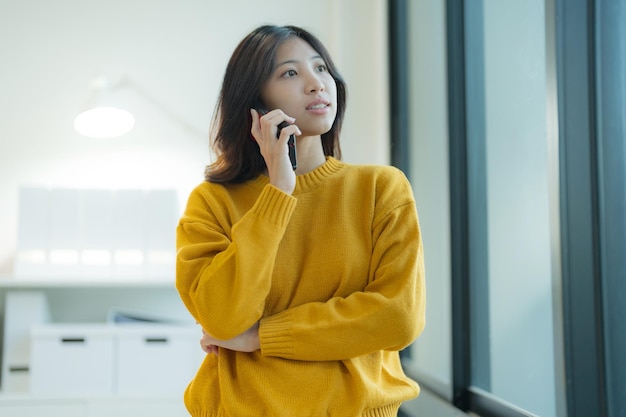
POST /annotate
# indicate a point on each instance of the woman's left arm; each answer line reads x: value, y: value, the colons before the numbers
x: 388, y: 314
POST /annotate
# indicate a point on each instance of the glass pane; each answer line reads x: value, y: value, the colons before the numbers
x: 430, y: 355
x: 511, y: 270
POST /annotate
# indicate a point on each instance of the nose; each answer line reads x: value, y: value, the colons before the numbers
x: 314, y: 83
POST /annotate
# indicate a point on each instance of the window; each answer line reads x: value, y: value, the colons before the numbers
x: 516, y: 137
x: 509, y: 171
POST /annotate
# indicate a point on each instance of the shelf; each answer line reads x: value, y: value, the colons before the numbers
x: 7, y: 281
x: 84, y: 406
x: 28, y: 397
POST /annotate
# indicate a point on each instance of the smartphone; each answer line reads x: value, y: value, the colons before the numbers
x: 258, y: 106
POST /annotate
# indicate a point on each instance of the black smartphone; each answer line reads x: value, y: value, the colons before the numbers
x: 258, y: 106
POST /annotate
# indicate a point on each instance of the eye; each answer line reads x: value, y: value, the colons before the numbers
x: 322, y: 68
x: 290, y: 73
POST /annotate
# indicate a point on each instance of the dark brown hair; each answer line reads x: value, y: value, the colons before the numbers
x: 250, y: 67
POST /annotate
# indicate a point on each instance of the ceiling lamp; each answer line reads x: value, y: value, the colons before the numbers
x: 102, y: 118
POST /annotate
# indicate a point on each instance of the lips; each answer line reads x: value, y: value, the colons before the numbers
x: 318, y: 104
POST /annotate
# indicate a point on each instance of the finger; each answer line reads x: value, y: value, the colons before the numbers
x: 209, y: 349
x: 271, y: 120
x: 288, y: 131
x: 255, y: 129
x: 267, y: 125
x: 279, y: 118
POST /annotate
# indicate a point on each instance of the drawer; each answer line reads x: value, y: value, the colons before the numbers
x: 72, y: 359
x: 157, y: 358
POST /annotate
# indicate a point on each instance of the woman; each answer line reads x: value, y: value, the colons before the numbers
x: 306, y: 283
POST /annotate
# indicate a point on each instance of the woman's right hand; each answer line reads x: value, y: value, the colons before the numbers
x: 275, y: 152
x: 247, y: 341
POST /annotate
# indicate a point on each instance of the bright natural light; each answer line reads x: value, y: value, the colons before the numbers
x: 128, y: 257
x: 32, y: 256
x: 64, y: 257
x: 97, y: 257
x: 162, y: 257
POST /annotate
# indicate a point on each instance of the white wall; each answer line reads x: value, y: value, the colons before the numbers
x: 176, y: 51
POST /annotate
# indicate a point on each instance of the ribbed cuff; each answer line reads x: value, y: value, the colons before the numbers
x: 275, y: 205
x: 275, y: 336
x: 384, y: 411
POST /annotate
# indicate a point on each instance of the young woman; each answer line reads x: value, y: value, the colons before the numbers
x: 306, y: 283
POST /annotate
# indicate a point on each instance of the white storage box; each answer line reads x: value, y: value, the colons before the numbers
x: 156, y: 358
x: 72, y: 359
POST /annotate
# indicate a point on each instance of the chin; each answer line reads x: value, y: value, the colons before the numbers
x: 316, y: 130
x: 325, y: 127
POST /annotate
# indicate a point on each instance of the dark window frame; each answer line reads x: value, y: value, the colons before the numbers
x: 583, y: 329
x: 610, y: 68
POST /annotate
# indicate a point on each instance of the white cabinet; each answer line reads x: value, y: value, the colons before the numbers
x: 76, y: 330
x: 124, y: 359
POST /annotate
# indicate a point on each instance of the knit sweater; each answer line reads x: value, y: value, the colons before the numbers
x: 333, y: 273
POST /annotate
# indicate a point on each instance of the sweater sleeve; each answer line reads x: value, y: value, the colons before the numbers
x: 223, y: 276
x: 387, y: 315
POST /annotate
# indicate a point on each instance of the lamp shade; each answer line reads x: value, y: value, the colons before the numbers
x: 102, y: 116
x: 104, y: 122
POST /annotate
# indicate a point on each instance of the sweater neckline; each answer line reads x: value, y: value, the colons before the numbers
x: 310, y: 180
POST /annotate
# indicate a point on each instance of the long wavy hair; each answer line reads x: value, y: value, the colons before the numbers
x: 249, y: 68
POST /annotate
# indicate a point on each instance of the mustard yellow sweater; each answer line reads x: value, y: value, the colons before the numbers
x: 334, y: 274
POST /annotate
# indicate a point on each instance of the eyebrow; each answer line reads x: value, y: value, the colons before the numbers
x: 295, y: 61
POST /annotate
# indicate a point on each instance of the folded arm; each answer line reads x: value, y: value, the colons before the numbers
x: 223, y: 276
x: 387, y: 315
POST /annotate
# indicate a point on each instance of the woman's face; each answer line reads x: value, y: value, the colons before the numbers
x: 302, y: 87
